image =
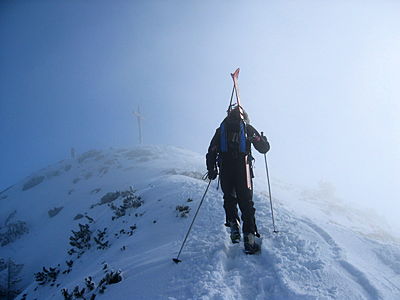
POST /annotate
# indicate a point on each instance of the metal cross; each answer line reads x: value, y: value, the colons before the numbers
x: 139, y: 118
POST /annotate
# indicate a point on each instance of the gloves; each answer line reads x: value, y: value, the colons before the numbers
x: 257, y: 139
x: 264, y: 138
x: 254, y: 139
x: 265, y: 148
x: 212, y: 174
x: 260, y: 142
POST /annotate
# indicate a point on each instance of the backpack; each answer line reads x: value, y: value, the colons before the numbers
x: 233, y: 140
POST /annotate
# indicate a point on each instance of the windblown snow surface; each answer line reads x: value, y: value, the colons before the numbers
x: 324, y: 250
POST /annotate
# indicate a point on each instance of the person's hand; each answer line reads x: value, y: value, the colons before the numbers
x: 212, y: 174
x: 255, y: 138
x: 264, y: 139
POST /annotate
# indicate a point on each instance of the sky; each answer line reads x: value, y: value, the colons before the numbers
x: 320, y: 78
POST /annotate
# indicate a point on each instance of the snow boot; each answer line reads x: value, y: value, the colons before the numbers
x: 250, y: 245
x: 235, y: 232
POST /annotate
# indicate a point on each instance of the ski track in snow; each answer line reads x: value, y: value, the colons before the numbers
x: 357, y: 275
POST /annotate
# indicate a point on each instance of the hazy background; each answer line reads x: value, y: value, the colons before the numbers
x: 321, y: 78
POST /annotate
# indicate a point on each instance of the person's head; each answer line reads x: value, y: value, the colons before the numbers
x: 236, y: 113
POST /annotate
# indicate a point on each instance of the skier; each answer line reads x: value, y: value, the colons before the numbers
x: 230, y: 150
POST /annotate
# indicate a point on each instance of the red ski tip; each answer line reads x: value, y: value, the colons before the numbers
x: 236, y: 73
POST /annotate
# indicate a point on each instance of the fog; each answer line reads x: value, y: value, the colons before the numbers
x: 319, y: 78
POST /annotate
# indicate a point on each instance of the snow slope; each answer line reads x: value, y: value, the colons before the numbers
x: 323, y: 250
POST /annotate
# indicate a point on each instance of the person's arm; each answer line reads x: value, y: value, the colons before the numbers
x: 260, y: 142
x: 211, y: 157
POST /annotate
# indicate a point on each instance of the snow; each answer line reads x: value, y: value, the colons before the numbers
x: 324, y: 249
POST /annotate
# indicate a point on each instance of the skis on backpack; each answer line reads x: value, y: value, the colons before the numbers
x: 235, y: 77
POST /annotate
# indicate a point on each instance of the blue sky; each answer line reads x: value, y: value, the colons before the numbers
x: 319, y: 77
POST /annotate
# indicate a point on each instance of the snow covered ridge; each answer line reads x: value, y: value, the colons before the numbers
x: 107, y: 224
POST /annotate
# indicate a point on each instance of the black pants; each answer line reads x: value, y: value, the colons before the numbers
x: 234, y: 186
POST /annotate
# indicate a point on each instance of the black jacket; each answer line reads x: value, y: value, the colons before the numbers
x: 252, y: 137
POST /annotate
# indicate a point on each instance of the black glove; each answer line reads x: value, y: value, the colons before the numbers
x: 254, y: 138
x: 257, y: 138
x: 260, y: 142
x: 212, y: 174
x: 264, y: 138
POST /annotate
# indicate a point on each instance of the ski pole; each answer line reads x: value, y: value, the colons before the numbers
x: 269, y: 189
x: 177, y: 260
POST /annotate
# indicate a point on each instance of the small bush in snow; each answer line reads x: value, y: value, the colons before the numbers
x: 99, y: 239
x: 182, y: 210
x: 47, y: 275
x: 89, y: 283
x: 88, y: 292
x: 53, y: 212
x: 129, y: 232
x: 66, y: 294
x: 110, y: 277
x: 80, y: 240
x: 78, y: 293
x: 69, y: 263
x: 130, y: 200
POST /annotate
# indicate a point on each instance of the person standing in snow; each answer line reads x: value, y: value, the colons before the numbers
x: 230, y: 150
